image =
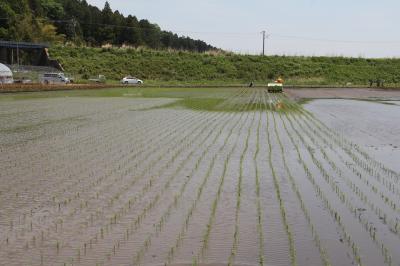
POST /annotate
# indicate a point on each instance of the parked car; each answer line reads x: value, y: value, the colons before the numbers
x: 131, y: 80
x: 54, y: 78
x: 98, y: 79
x: 23, y: 81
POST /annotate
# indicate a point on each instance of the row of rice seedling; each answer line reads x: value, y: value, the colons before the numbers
x: 389, y: 188
x: 211, y: 219
x: 383, y: 174
x: 258, y: 196
x: 60, y: 225
x: 368, y: 164
x: 378, y: 166
x: 178, y: 196
x: 277, y: 181
x: 175, y: 201
x: 129, y: 204
x: 69, y: 215
x: 335, y: 215
x: 322, y: 250
x: 384, y: 214
x: 173, y: 249
x: 317, y: 240
x: 171, y: 177
x: 261, y: 259
x: 239, y: 191
x: 344, y: 199
x: 53, y: 197
x: 60, y: 149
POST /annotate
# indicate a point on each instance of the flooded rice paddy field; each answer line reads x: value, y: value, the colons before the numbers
x: 370, y: 124
x: 138, y: 181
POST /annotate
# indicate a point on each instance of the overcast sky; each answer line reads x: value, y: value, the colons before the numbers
x: 368, y: 28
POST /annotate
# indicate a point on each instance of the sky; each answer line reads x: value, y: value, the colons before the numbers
x: 358, y: 28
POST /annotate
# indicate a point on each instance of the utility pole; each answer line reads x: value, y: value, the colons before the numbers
x: 264, y: 37
x: 263, y: 33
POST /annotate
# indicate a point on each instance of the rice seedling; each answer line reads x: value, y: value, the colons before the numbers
x: 214, y: 205
x: 372, y: 204
x: 239, y: 192
x: 258, y: 200
x: 315, y: 234
x: 179, y: 239
x: 276, y: 181
x: 109, y: 187
x: 177, y: 197
x: 337, y: 190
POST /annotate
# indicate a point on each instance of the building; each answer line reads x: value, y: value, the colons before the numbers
x: 26, y: 54
x: 6, y: 76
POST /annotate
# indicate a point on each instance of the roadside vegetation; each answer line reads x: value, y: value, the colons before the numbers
x: 171, y: 67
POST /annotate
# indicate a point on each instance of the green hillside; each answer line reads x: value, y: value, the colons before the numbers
x: 179, y: 67
x: 76, y: 21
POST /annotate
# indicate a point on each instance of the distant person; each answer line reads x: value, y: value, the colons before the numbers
x: 378, y: 83
x: 279, y: 80
x: 371, y: 83
x: 251, y: 84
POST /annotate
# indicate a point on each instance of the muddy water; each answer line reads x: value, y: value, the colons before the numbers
x: 113, y: 182
x: 369, y: 124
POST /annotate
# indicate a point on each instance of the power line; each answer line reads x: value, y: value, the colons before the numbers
x: 334, y: 41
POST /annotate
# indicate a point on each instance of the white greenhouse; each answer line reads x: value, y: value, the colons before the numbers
x: 6, y: 75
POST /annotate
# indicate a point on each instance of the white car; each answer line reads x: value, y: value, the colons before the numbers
x: 131, y: 80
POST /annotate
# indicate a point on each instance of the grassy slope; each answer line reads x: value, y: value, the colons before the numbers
x: 170, y: 67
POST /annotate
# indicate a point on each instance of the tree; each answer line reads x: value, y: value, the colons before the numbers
x: 77, y: 21
x: 51, y: 9
x: 48, y: 34
x: 107, y: 33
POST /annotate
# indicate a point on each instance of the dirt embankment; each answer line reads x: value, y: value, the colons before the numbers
x: 41, y: 87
